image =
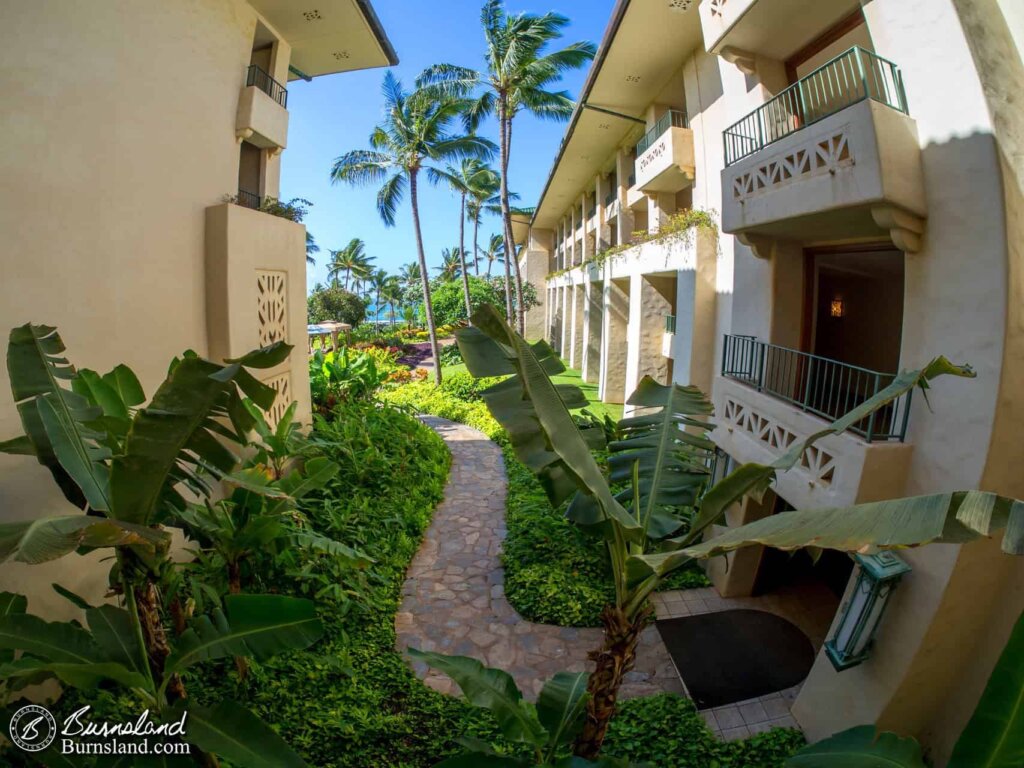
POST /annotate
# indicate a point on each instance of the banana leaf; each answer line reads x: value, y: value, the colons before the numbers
x: 176, y: 434
x: 232, y: 732
x: 254, y: 625
x: 493, y: 690
x: 860, y: 747
x: 994, y: 736
x: 534, y: 413
x: 54, y: 417
x: 561, y: 706
x: 36, y: 541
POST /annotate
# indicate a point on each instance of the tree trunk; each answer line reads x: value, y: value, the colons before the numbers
x: 506, y: 214
x: 147, y: 601
x: 462, y: 257
x: 476, y: 242
x: 235, y: 588
x: 520, y: 307
x: 428, y: 308
x: 612, y: 661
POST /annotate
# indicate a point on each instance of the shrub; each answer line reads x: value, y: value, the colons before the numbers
x: 347, y: 376
x: 449, y: 303
x: 668, y: 730
x: 451, y: 355
x: 425, y: 397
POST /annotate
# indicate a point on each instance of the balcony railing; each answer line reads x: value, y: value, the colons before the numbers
x: 670, y: 323
x: 670, y: 119
x: 632, y: 180
x: 592, y: 212
x: 609, y: 199
x: 256, y: 76
x: 847, y: 79
x: 817, y: 385
x: 248, y: 199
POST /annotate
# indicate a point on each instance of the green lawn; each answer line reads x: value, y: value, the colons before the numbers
x: 571, y: 376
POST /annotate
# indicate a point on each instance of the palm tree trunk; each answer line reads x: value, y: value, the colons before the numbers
x: 520, y: 307
x: 428, y: 308
x: 462, y: 256
x: 476, y: 244
x: 612, y: 662
x: 506, y: 214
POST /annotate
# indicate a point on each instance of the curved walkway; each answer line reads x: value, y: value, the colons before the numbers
x: 454, y: 599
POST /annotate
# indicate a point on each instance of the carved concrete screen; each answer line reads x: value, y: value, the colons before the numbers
x: 272, y: 305
x: 283, y: 384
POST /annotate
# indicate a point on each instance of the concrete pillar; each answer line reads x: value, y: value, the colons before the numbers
x: 593, y: 321
x: 734, y: 575
x: 564, y: 330
x: 602, y: 234
x: 584, y: 250
x: 579, y: 325
x: 624, y: 221
x: 696, y: 306
x: 572, y: 237
x: 615, y: 344
x: 660, y: 207
x: 651, y: 298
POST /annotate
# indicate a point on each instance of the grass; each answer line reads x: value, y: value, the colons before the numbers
x: 569, y: 376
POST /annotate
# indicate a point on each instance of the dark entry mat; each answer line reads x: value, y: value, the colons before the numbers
x: 729, y: 656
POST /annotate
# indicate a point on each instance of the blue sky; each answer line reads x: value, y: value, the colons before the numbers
x: 335, y: 114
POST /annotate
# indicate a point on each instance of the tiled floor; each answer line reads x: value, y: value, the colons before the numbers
x: 810, y: 606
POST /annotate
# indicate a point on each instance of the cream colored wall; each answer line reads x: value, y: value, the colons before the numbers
x: 118, y: 120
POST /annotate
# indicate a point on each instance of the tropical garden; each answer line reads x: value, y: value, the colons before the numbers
x: 254, y: 567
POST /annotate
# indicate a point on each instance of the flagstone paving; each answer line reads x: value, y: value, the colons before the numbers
x: 454, y: 599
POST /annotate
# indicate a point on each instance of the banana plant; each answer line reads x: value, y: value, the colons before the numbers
x: 658, y: 523
x: 277, y: 446
x: 547, y: 728
x: 130, y: 466
x: 108, y: 650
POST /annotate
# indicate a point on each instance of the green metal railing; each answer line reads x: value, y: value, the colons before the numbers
x: 670, y: 119
x: 262, y: 80
x: 817, y: 385
x: 847, y: 79
x: 670, y: 323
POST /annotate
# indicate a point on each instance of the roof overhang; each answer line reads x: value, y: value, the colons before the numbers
x: 329, y: 36
x: 637, y: 63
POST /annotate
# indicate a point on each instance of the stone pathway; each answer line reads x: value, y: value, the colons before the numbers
x: 454, y: 599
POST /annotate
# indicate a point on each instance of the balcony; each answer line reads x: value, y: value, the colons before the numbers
x: 262, y: 117
x: 769, y: 397
x: 738, y: 30
x: 664, y: 156
x: 835, y: 156
x: 248, y: 199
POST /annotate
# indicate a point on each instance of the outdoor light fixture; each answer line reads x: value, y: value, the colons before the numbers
x: 862, y: 613
x: 838, y: 309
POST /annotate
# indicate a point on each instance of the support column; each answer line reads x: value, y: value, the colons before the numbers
x: 624, y: 222
x: 615, y: 341
x: 602, y: 234
x: 537, y: 257
x: 649, y: 302
x: 584, y: 249
x: 593, y: 321
x: 563, y: 336
x: 570, y: 318
x: 660, y: 206
x: 572, y: 237
x: 579, y: 324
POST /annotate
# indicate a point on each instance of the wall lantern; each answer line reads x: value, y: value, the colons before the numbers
x: 838, y: 308
x: 877, y: 577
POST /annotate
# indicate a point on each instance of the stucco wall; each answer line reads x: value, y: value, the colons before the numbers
x: 119, y: 131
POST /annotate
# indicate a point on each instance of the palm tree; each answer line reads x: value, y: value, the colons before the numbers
x: 480, y: 198
x: 518, y: 73
x: 347, y: 261
x: 362, y: 269
x: 495, y: 252
x: 392, y: 295
x: 451, y: 265
x: 415, y: 133
x: 377, y: 280
x: 470, y: 180
x: 311, y: 248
